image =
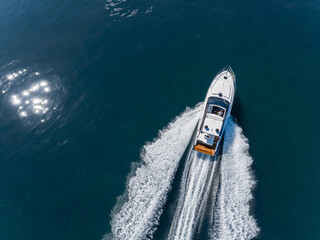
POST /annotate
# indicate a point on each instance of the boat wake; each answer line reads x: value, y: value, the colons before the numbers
x: 221, y: 198
x: 214, y: 196
x: 194, y: 192
x: 137, y: 213
x: 232, y: 218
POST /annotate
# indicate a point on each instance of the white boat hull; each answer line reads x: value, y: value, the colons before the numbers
x: 216, y: 110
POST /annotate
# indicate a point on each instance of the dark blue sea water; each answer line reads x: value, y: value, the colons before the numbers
x: 85, y: 84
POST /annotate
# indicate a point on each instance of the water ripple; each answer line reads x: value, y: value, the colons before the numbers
x: 121, y: 9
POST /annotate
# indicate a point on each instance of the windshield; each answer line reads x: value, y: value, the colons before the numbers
x: 219, y: 102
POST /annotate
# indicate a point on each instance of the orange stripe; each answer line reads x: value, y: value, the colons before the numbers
x: 204, y: 149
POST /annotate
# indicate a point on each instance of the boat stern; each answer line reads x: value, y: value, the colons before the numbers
x: 204, y: 149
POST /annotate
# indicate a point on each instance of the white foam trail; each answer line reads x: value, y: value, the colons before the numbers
x: 194, y: 190
x: 232, y: 219
x: 147, y: 190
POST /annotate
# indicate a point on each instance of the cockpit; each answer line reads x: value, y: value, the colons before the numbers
x: 217, y: 106
x: 213, y: 109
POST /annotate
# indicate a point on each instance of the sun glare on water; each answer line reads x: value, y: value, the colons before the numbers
x: 32, y: 94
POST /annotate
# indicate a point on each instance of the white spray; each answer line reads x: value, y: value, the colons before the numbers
x: 232, y: 219
x: 147, y: 190
x: 194, y: 190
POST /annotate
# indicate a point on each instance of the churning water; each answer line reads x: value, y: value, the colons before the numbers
x: 226, y: 181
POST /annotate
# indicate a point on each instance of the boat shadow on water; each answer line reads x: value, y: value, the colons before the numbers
x: 236, y: 110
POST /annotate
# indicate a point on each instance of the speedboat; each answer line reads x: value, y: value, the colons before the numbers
x: 216, y: 111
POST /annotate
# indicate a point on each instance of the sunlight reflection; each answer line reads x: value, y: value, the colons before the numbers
x: 33, y: 100
x: 34, y: 96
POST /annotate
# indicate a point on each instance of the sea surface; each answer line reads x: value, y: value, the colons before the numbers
x: 86, y: 86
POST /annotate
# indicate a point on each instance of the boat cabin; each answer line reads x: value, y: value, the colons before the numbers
x: 217, y: 106
x: 212, y: 124
x: 217, y: 110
